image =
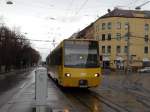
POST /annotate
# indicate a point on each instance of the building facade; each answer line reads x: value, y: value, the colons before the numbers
x: 86, y: 33
x: 120, y: 30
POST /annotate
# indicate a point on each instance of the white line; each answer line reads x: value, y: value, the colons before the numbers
x: 23, y: 85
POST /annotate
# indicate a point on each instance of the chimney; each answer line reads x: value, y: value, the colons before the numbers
x: 108, y: 10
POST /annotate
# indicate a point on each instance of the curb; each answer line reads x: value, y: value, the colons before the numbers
x: 12, y: 73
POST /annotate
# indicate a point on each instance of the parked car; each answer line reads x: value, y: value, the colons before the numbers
x: 144, y: 70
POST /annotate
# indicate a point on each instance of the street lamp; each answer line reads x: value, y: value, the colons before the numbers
x: 53, y: 43
x: 128, y: 47
x: 9, y: 2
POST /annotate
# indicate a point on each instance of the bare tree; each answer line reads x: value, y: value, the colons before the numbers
x: 15, y: 50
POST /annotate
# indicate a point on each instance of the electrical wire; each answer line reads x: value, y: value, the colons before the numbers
x: 36, y: 40
x: 81, y: 7
x: 42, y: 48
x: 69, y: 7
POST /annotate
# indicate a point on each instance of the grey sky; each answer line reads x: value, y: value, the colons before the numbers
x: 57, y: 19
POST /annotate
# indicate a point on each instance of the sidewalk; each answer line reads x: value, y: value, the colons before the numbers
x: 24, y: 100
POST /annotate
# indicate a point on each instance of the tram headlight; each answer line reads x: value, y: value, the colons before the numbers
x: 67, y: 74
x: 96, y: 74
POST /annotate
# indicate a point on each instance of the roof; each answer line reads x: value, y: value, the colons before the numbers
x: 127, y: 13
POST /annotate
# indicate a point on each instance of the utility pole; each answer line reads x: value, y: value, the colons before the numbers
x: 126, y: 81
x: 54, y: 43
x: 128, y: 49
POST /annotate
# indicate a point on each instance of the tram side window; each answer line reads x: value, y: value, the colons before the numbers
x: 51, y: 59
x: 56, y: 57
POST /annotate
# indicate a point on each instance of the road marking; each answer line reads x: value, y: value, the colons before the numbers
x: 23, y: 85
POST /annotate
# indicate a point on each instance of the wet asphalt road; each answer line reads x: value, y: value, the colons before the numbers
x: 109, y: 97
x: 12, y: 85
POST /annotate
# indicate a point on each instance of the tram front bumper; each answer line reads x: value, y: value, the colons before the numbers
x: 78, y: 82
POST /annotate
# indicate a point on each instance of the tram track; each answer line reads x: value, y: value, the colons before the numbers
x: 75, y: 95
x: 113, y: 105
x: 139, y: 95
x: 105, y: 103
x: 85, y: 98
x: 121, y: 107
x: 76, y: 105
x: 143, y: 99
x: 84, y: 107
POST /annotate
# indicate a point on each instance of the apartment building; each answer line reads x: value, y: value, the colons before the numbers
x: 119, y: 30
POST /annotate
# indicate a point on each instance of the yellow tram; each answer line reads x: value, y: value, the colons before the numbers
x: 75, y: 63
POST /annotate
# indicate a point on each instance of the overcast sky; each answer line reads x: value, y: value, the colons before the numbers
x: 57, y: 19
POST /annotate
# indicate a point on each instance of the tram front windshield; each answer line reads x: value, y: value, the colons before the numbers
x: 81, y: 54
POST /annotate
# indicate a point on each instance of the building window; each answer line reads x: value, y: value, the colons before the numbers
x: 108, y: 49
x: 146, y: 50
x: 109, y: 25
x: 2, y: 32
x: 146, y: 27
x: 2, y: 35
x: 95, y: 37
x: 100, y: 26
x: 103, y: 37
x: 126, y: 25
x: 146, y: 38
x: 2, y: 38
x: 125, y: 49
x: 103, y: 26
x: 103, y: 49
x: 99, y: 37
x: 118, y: 25
x: 126, y: 37
x: 118, y: 49
x: 118, y: 36
x: 96, y: 28
x: 99, y: 47
x: 109, y: 36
